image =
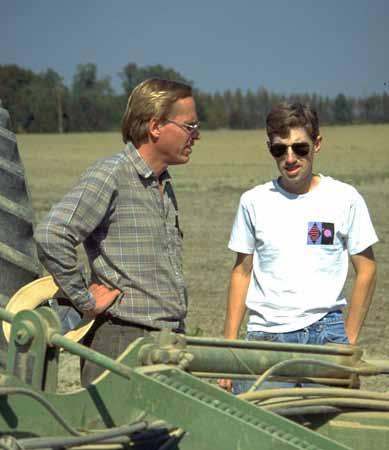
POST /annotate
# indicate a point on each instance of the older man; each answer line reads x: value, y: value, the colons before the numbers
x: 293, y: 237
x: 124, y: 211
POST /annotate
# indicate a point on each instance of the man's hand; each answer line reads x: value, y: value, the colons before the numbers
x: 104, y: 298
x: 225, y: 384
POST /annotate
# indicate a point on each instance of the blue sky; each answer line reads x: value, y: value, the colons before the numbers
x: 286, y: 46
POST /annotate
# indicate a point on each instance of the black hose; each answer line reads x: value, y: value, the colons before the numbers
x: 173, y: 440
x: 50, y: 408
x: 71, y: 441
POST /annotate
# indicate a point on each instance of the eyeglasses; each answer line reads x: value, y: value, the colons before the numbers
x: 299, y: 148
x: 190, y: 128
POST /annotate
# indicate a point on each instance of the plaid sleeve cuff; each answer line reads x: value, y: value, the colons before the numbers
x: 86, y: 304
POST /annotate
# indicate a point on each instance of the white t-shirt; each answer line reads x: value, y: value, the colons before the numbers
x: 300, y: 246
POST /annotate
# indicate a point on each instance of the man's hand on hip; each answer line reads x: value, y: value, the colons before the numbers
x: 225, y: 384
x: 104, y: 298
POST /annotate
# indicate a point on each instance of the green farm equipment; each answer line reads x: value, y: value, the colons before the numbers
x: 161, y: 393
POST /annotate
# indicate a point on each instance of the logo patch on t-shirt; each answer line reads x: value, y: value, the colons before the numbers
x: 320, y: 233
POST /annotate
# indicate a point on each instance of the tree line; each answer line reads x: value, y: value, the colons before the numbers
x: 41, y: 102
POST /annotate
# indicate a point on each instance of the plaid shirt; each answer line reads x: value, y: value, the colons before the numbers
x: 132, y: 239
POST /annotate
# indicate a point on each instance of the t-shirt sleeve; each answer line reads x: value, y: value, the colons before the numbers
x: 242, y: 239
x: 361, y: 233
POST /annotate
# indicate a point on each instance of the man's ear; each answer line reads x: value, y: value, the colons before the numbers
x: 154, y: 128
x: 317, y: 144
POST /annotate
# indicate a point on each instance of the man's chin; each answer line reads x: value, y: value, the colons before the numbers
x: 182, y: 160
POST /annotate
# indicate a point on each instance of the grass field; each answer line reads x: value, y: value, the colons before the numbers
x: 223, y: 165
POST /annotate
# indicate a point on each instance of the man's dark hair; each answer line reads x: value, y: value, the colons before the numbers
x: 285, y: 116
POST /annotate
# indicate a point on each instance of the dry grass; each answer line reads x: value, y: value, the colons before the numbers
x: 223, y: 165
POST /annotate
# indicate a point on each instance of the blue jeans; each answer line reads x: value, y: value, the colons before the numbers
x: 329, y: 328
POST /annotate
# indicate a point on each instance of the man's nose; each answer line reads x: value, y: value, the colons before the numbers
x: 290, y: 155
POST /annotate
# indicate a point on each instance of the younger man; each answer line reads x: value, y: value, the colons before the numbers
x: 293, y: 237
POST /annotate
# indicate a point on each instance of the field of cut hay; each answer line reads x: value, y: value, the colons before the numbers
x: 223, y: 165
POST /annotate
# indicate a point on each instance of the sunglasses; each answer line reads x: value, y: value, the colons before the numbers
x: 299, y: 148
x: 188, y: 127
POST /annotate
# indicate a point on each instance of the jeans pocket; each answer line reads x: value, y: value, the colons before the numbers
x: 334, y: 332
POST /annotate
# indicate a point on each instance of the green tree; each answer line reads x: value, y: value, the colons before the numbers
x: 93, y: 103
x: 342, y: 110
x: 216, y: 116
x: 253, y: 113
x: 237, y: 117
x: 32, y: 99
x: 371, y: 109
x: 324, y: 108
x: 13, y: 82
x: 46, y: 102
x: 385, y: 107
x: 132, y: 75
x: 264, y: 104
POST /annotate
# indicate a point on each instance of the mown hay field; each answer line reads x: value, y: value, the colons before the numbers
x: 223, y: 165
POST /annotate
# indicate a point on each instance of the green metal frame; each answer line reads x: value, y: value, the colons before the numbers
x: 155, y: 379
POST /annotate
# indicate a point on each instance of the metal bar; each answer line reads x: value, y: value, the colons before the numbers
x: 383, y: 365
x: 235, y: 376
x: 208, y: 412
x: 301, y: 362
x: 91, y: 355
x: 215, y: 359
x: 273, y: 394
x: 264, y: 345
x: 6, y: 315
x: 353, y: 403
x: 59, y: 340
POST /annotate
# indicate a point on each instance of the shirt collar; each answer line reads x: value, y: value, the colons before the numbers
x: 140, y: 164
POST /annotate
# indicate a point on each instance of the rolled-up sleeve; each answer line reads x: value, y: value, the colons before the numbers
x: 69, y: 223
